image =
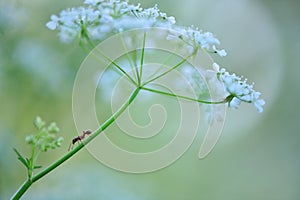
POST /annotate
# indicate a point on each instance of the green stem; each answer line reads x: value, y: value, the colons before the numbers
x: 134, y: 58
x: 182, y: 97
x: 31, y: 163
x: 161, y: 66
x: 117, y: 66
x: 130, y: 60
x: 142, y: 58
x: 22, y: 190
x: 169, y: 70
x: 110, y: 60
x: 107, y: 123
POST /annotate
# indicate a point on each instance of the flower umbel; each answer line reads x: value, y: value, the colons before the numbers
x: 98, y: 19
x: 238, y: 89
x: 197, y: 38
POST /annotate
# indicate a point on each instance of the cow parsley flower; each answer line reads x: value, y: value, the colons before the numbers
x: 72, y: 22
x: 197, y: 38
x: 98, y: 19
x: 238, y: 89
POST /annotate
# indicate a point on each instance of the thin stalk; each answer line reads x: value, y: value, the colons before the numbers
x: 110, y: 60
x: 142, y: 58
x: 182, y: 97
x: 160, y: 68
x: 135, y: 65
x: 169, y: 70
x: 127, y: 55
x: 51, y: 167
x: 118, y: 67
x: 31, y: 163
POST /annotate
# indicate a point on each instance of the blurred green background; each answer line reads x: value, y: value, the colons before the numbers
x: 257, y: 156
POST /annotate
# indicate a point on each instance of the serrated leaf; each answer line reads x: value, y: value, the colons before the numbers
x: 22, y: 159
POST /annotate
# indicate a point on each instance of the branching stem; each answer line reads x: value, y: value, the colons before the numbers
x: 68, y: 155
x: 139, y: 86
x: 181, y: 97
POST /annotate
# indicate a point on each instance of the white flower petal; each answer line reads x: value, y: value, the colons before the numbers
x: 234, y: 103
x: 51, y: 25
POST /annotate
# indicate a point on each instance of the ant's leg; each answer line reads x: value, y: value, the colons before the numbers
x: 70, y: 147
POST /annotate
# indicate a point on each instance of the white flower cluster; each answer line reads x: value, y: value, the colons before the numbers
x: 238, y: 89
x: 195, y: 38
x: 71, y: 22
x: 99, y: 18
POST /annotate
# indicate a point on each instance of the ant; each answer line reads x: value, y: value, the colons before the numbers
x: 79, y: 138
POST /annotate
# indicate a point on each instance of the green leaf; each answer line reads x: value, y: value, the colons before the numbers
x: 28, y: 162
x: 37, y: 167
x: 22, y: 159
x: 17, y: 152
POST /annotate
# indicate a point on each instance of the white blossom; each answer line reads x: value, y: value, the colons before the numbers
x: 197, y: 38
x: 234, y: 103
x: 53, y: 23
x: 221, y: 52
x: 238, y: 90
x: 101, y: 18
x: 171, y: 19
